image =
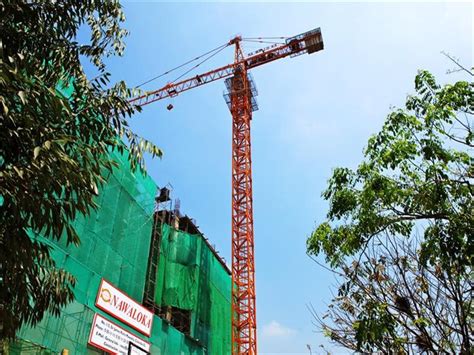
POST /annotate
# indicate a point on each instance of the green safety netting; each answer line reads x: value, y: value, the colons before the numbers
x: 27, y: 348
x: 115, y: 243
x: 190, y: 277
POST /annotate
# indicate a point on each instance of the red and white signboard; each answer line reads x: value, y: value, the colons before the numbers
x: 118, y: 304
x: 112, y: 338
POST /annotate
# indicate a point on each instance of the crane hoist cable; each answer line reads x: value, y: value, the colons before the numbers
x: 220, y: 49
x: 264, y: 38
x: 259, y: 41
x: 184, y: 64
x: 217, y: 50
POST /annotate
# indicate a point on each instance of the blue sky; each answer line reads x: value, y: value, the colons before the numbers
x: 316, y: 113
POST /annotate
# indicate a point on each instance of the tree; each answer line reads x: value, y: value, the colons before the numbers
x: 391, y: 302
x: 416, y: 179
x: 57, y: 128
x: 417, y: 173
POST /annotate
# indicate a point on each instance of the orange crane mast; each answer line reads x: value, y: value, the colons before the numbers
x: 241, y: 101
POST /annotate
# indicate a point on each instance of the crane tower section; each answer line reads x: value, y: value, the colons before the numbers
x: 241, y: 101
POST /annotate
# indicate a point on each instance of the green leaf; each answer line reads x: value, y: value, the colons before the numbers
x: 21, y: 94
x: 36, y: 152
x: 5, y: 108
x: 19, y: 171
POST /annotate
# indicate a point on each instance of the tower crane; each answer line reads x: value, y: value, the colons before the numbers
x: 240, y: 98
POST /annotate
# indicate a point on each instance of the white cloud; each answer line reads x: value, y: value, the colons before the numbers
x: 275, y: 329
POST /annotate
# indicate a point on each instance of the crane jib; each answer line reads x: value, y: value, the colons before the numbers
x: 308, y: 42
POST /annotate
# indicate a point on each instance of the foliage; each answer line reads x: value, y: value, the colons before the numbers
x: 391, y: 302
x: 404, y: 294
x: 54, y: 146
x: 417, y: 173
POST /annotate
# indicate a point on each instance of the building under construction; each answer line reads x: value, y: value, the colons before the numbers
x: 140, y: 245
